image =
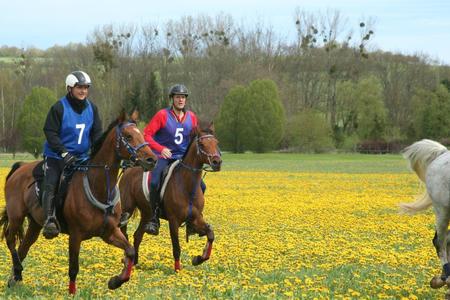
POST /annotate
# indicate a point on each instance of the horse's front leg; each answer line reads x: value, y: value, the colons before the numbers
x: 74, y: 253
x: 119, y: 240
x: 138, y: 235
x: 203, y: 228
x: 176, y: 250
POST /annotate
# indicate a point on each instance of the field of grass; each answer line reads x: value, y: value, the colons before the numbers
x: 290, y: 162
x: 286, y: 225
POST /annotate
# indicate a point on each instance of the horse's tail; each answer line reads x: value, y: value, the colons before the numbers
x: 421, y: 203
x: 14, y: 167
x: 4, y: 223
x: 4, y: 220
x: 420, y: 155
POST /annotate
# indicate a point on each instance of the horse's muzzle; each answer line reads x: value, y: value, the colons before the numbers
x: 216, y: 163
x: 147, y: 164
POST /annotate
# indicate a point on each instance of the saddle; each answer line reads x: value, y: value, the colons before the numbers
x: 60, y: 193
x: 165, y: 176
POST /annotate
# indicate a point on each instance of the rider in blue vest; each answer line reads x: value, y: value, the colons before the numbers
x: 168, y: 134
x: 71, y: 127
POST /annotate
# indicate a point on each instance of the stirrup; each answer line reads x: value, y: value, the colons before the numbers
x: 151, y: 228
x: 51, y: 228
x: 124, y: 218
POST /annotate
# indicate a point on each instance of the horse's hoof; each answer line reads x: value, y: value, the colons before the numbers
x: 12, y: 282
x: 115, y: 282
x: 196, y: 260
x: 437, y: 282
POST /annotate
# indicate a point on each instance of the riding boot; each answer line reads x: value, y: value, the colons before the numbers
x: 51, y: 229
x: 152, y: 227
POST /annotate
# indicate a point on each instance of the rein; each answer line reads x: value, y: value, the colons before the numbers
x: 113, y: 195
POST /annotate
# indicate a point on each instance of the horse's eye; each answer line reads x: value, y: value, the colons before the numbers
x: 129, y: 138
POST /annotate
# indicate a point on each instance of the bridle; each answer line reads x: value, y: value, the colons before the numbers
x: 120, y: 139
x: 200, y: 151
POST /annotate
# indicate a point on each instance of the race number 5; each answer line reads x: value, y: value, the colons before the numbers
x: 81, y: 127
x: 178, y: 136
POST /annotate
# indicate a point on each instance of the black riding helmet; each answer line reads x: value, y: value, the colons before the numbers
x: 178, y: 89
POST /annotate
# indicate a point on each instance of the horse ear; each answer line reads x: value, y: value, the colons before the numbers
x: 134, y: 116
x: 211, y: 127
x: 123, y: 116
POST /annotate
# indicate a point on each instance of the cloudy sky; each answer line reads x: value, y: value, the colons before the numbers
x: 405, y: 26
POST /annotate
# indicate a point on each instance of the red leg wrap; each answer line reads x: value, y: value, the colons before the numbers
x: 207, y: 252
x: 177, y: 265
x: 72, y: 287
x: 129, y: 268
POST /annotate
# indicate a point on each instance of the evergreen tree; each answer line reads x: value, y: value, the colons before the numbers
x: 153, y: 101
x: 265, y: 120
x: 231, y: 120
x: 32, y: 119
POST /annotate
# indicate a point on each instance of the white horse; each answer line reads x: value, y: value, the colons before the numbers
x: 431, y: 162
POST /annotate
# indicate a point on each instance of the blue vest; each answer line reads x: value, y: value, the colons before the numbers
x: 175, y: 135
x: 75, y: 131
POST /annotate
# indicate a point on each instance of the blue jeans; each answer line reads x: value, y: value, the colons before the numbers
x: 161, y: 164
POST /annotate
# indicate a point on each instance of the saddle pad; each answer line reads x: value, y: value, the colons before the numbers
x: 146, y: 178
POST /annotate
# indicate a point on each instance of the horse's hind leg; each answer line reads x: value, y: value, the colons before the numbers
x: 118, y: 239
x: 12, y: 232
x: 203, y: 228
x: 30, y: 238
x: 440, y: 243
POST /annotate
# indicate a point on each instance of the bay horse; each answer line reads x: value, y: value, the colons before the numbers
x: 88, y: 214
x: 431, y: 162
x: 183, y: 200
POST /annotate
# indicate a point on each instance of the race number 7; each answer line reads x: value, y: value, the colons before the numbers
x: 80, y: 126
x: 178, y: 136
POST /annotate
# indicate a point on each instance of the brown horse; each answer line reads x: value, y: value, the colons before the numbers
x: 88, y: 214
x: 183, y: 199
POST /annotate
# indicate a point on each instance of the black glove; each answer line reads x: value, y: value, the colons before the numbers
x: 69, y: 159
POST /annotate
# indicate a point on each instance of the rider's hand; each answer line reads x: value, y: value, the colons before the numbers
x: 166, y: 153
x: 69, y: 159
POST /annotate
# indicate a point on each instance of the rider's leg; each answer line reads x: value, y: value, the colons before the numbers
x: 52, y: 174
x: 153, y: 226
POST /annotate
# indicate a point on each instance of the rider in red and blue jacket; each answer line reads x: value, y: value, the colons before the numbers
x: 168, y: 134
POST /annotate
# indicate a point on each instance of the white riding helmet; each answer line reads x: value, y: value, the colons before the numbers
x: 77, y: 78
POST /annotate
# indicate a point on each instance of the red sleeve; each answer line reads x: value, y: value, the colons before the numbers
x: 156, y: 123
x: 194, y: 120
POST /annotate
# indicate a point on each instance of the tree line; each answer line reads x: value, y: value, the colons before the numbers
x: 326, y: 89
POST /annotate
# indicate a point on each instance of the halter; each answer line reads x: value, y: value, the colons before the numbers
x: 208, y: 155
x: 120, y: 139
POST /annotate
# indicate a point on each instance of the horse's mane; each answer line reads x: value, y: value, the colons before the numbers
x: 99, y: 142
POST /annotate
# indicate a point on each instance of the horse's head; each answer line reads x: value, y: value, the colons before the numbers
x: 207, y: 146
x: 130, y: 143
